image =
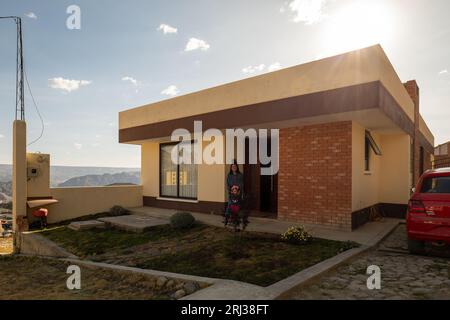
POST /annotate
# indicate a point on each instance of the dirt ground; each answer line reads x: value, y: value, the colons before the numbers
x: 40, y: 278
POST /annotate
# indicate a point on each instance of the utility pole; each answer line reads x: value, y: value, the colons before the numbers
x: 20, y: 95
x: 19, y: 179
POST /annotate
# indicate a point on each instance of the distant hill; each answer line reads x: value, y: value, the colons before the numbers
x: 4, y: 198
x: 5, y: 191
x: 103, y: 179
x: 60, y: 174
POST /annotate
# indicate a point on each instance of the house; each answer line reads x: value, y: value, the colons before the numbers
x: 351, y: 142
x: 442, y: 155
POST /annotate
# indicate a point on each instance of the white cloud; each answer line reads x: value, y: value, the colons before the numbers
x: 130, y: 79
x: 194, y: 44
x: 78, y: 146
x: 31, y: 15
x: 253, y: 69
x: 67, y: 85
x: 167, y: 29
x: 306, y: 11
x: 274, y: 66
x: 443, y: 71
x: 1, y: 136
x: 171, y: 91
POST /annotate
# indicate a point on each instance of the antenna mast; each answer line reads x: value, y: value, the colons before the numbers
x: 20, y: 96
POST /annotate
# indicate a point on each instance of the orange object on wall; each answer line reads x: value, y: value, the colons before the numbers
x: 40, y: 213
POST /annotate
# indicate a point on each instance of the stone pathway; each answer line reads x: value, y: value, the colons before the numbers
x: 403, y: 276
x: 369, y: 234
x: 133, y: 223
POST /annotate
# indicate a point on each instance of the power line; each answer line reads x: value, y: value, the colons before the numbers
x: 37, y: 111
x: 20, y: 76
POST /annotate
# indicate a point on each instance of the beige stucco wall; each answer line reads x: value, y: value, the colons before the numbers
x: 80, y: 201
x: 150, y: 168
x: 361, y: 66
x: 389, y: 177
x: 19, y: 175
x: 395, y: 179
x: 39, y: 186
x: 365, y: 185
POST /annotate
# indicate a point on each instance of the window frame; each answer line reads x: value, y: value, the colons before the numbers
x: 369, y: 143
x: 177, y: 197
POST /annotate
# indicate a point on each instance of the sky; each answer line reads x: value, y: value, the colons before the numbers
x: 135, y: 52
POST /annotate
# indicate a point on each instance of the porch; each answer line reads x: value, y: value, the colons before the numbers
x: 369, y: 234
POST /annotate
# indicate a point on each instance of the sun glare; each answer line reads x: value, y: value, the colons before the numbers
x: 359, y: 25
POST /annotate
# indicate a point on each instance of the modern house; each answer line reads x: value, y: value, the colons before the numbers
x: 442, y: 155
x: 351, y: 141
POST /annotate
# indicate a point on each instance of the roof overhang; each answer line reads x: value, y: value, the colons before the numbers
x: 359, y: 86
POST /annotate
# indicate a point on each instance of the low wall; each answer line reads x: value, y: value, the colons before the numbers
x: 75, y: 202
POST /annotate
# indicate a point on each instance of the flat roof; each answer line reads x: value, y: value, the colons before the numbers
x: 346, y: 77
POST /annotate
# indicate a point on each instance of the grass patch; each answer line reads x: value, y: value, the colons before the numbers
x: 257, y: 258
x: 99, y: 241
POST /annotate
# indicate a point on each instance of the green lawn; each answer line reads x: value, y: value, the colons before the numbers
x: 257, y: 258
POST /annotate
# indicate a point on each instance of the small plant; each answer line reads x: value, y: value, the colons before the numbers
x: 119, y: 211
x: 297, y: 235
x: 347, y: 245
x: 182, y: 220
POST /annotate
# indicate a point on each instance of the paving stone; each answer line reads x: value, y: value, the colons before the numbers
x: 161, y: 281
x: 179, y: 294
x: 133, y: 223
x: 403, y: 277
x: 86, y: 225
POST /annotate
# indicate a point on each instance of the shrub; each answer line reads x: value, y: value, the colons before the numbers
x: 296, y: 235
x: 182, y: 220
x: 118, y: 211
x: 347, y: 245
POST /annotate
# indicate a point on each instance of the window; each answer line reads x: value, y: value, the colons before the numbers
x: 436, y: 185
x: 176, y: 180
x: 366, y: 155
x: 369, y: 144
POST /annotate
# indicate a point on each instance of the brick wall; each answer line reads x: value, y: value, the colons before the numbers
x: 314, y: 183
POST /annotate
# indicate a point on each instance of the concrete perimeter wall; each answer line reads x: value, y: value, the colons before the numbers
x: 80, y: 201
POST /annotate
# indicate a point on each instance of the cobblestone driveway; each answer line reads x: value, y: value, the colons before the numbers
x: 403, y: 276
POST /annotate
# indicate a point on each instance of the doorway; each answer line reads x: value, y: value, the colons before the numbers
x: 261, y: 190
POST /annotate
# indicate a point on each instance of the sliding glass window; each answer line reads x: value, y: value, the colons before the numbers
x: 176, y: 180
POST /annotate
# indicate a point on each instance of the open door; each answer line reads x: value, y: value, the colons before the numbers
x: 261, y: 191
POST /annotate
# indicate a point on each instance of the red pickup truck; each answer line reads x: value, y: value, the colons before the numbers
x: 428, y: 218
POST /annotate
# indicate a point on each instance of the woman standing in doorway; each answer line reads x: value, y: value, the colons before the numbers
x: 235, y: 178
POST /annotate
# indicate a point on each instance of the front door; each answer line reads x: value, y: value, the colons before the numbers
x: 261, y: 191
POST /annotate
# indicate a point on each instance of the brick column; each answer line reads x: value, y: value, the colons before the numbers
x: 413, y: 91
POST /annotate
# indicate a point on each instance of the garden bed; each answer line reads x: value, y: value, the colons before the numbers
x: 39, y: 278
x: 207, y: 251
